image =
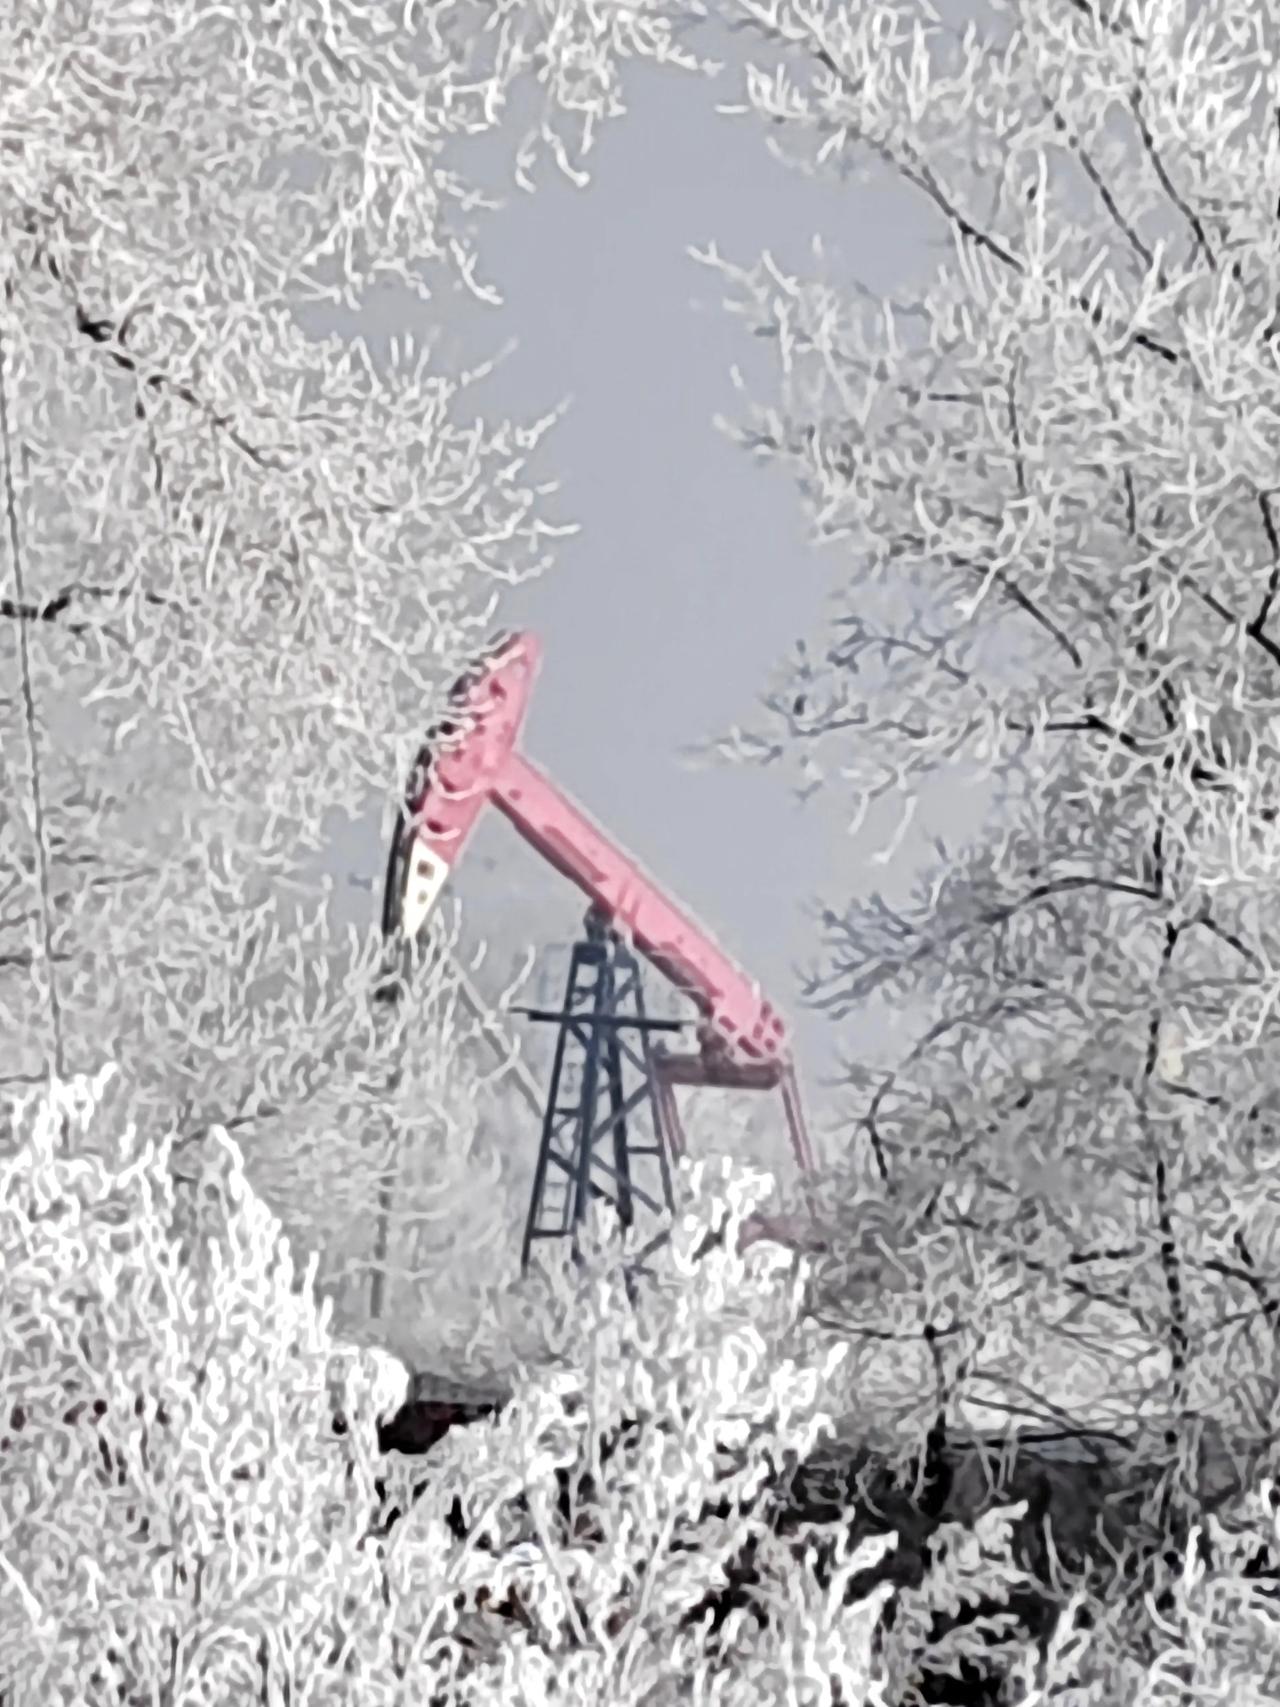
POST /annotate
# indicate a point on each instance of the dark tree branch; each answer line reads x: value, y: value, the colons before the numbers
x: 1087, y: 9
x: 111, y: 336
x: 1103, y: 189
x: 55, y: 608
x: 1171, y: 1261
x: 1207, y: 922
x: 1248, y: 1274
x: 1255, y: 628
x: 1199, y: 236
x: 1211, y: 778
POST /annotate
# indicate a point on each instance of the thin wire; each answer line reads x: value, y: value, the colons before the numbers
x: 29, y: 714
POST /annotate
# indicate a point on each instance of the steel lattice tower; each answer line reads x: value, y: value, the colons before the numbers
x: 601, y: 1080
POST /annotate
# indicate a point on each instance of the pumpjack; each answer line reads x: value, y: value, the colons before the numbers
x: 590, y: 1149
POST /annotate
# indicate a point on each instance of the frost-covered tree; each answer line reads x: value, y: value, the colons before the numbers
x: 176, y: 1516
x: 241, y: 563
x: 179, y: 1520
x: 1048, y: 480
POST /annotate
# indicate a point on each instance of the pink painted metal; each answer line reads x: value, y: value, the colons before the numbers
x: 737, y: 1018
x: 475, y: 760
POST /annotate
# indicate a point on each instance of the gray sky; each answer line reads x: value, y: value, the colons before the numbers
x: 692, y: 575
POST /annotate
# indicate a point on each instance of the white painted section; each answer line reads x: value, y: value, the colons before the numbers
x: 425, y: 879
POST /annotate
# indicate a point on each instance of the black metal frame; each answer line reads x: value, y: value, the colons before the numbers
x: 592, y: 1154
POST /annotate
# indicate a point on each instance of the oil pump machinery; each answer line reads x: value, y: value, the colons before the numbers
x: 589, y: 1148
